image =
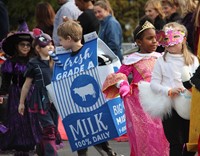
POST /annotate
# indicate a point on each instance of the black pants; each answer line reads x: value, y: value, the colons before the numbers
x: 177, y: 132
x: 104, y: 146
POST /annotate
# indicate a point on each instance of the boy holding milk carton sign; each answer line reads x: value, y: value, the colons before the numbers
x: 89, y: 119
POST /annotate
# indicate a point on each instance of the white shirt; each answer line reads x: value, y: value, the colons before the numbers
x: 71, y: 11
x: 167, y: 74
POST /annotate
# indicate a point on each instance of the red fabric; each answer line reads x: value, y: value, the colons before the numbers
x: 123, y: 138
x: 61, y: 129
x: 49, y: 133
x: 1, y: 61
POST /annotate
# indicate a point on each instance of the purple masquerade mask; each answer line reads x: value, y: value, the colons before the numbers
x: 169, y: 37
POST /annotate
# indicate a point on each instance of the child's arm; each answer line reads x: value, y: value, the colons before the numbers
x: 123, y: 85
x: 189, y: 80
x: 186, y: 76
x: 24, y: 93
x: 175, y: 91
x: 192, y: 77
x: 157, y: 78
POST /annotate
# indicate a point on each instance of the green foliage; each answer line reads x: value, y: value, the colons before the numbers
x: 25, y: 9
x: 127, y: 12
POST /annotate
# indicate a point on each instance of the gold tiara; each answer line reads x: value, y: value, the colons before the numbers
x: 146, y: 25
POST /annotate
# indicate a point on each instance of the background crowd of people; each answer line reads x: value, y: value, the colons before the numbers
x: 26, y: 126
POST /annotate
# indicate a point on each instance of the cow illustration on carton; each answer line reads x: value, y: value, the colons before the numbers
x: 81, y: 91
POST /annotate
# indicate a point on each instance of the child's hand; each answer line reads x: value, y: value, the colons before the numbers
x: 21, y: 109
x: 124, y: 89
x: 175, y: 91
x: 65, y: 18
x: 1, y: 100
x: 3, y: 129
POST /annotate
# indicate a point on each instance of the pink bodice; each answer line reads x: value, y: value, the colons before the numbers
x: 140, y: 70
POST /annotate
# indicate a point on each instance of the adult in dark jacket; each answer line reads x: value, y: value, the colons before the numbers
x: 170, y: 9
x: 153, y: 10
x: 188, y: 21
x: 87, y: 19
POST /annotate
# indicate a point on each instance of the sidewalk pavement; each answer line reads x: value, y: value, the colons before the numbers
x: 121, y: 148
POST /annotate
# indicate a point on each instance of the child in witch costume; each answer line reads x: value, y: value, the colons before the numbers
x: 145, y: 134
x: 38, y: 74
x: 23, y: 133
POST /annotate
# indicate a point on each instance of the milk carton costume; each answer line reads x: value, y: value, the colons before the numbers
x: 75, y: 89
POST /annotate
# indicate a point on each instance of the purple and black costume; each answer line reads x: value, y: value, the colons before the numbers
x: 24, y: 132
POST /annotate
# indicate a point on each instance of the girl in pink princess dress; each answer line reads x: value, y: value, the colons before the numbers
x: 145, y: 134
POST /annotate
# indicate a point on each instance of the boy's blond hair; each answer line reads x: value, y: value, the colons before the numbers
x: 70, y: 28
x: 188, y: 56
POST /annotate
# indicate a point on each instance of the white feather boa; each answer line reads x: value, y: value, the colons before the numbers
x: 158, y: 105
x: 154, y: 104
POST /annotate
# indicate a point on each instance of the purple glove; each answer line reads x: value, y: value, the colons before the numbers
x: 124, y: 89
x: 3, y: 129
